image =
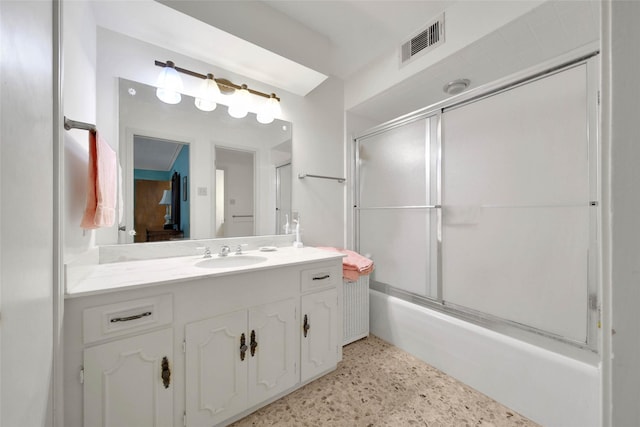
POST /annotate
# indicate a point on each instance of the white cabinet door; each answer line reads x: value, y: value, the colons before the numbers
x: 319, y: 317
x: 216, y: 374
x: 124, y: 385
x: 272, y: 366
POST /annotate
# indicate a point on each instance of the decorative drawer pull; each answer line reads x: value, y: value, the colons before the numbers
x: 326, y: 276
x: 134, y: 317
x: 243, y: 347
x: 306, y: 326
x: 253, y: 344
x: 166, y: 372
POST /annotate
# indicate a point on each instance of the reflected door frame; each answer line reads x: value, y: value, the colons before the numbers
x: 283, y: 196
x: 254, y: 197
x: 127, y: 180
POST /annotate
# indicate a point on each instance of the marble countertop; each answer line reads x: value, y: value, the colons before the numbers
x: 102, y: 278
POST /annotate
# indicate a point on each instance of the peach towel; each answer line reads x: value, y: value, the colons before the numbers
x: 354, y: 265
x: 102, y: 183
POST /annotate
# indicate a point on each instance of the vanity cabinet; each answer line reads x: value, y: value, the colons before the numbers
x: 237, y: 360
x: 319, y: 345
x: 320, y: 348
x: 127, y: 382
x: 229, y: 343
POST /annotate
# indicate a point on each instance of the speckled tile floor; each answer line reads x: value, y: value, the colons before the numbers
x: 377, y: 384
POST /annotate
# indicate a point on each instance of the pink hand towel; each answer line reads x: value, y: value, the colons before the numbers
x: 101, y: 185
x: 354, y: 265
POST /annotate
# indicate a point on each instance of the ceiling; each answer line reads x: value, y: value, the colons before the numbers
x: 359, y: 31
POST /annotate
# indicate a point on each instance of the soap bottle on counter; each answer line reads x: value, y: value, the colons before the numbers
x: 298, y: 242
x: 287, y: 227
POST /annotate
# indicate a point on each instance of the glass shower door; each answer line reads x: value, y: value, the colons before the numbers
x: 395, y: 210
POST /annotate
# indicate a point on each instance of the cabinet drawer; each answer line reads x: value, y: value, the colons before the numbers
x: 318, y: 278
x: 113, y: 320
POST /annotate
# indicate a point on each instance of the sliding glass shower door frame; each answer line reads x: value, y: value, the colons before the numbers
x: 436, y: 301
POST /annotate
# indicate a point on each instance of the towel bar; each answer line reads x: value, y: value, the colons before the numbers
x: 72, y: 124
x: 305, y: 175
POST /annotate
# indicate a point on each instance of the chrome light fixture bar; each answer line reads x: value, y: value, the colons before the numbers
x: 205, y: 101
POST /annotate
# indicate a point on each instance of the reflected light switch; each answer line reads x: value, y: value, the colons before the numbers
x: 202, y: 191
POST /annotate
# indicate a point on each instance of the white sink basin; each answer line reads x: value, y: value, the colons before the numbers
x: 230, y: 261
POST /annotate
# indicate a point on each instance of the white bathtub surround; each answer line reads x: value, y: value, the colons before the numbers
x: 549, y: 388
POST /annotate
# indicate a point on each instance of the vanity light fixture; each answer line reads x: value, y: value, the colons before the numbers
x: 169, y: 84
x: 208, y: 95
x: 269, y: 110
x: 240, y: 100
x: 239, y: 106
x: 456, y: 86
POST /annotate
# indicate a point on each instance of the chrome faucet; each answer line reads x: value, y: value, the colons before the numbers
x: 239, y: 249
x: 207, y: 251
x: 224, y: 250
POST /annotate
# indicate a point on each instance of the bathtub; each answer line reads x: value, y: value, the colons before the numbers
x: 544, y: 386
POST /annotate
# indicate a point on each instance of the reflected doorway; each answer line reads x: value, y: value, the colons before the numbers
x: 235, y: 199
x: 161, y: 202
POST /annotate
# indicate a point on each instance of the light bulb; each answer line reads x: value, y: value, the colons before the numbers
x: 169, y: 85
x: 270, y: 109
x: 239, y: 106
x: 208, y: 95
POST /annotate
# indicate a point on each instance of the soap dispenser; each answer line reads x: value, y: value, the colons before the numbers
x: 287, y: 227
x: 298, y: 242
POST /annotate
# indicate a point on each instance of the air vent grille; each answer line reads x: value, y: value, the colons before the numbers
x: 425, y: 40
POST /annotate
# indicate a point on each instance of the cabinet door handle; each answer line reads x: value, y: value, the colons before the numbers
x: 253, y: 343
x: 243, y: 347
x: 306, y: 325
x: 134, y: 317
x: 166, y: 372
x: 326, y: 276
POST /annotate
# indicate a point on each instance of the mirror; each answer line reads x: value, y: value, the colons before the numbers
x: 227, y: 177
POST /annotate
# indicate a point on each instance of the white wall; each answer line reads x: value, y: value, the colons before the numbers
x: 26, y: 212
x: 624, y: 101
x: 318, y: 148
x: 79, y: 94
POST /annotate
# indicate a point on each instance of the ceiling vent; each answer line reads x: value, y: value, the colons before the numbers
x: 424, y: 41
